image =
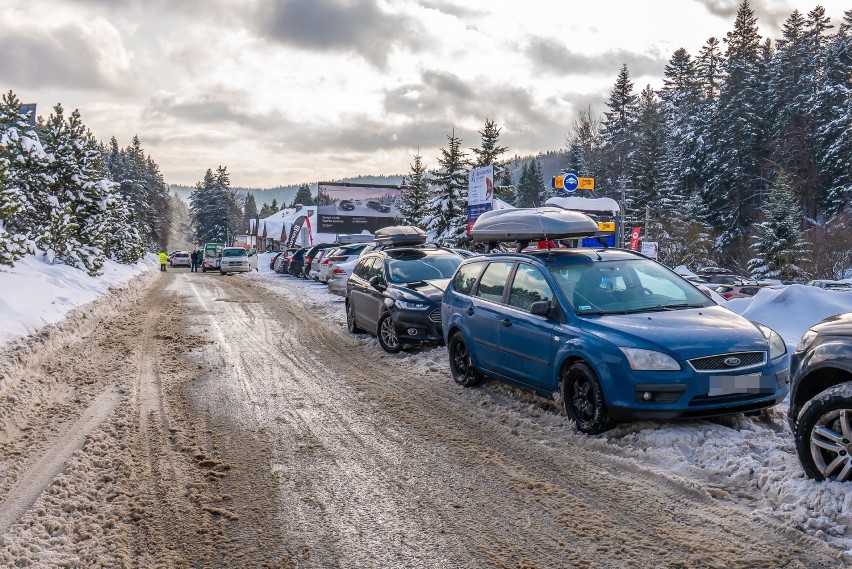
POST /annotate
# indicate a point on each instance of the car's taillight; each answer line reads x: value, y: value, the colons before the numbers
x: 727, y: 296
x: 325, y: 261
x: 337, y: 271
x: 292, y: 260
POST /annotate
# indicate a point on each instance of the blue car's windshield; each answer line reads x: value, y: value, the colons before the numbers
x: 625, y: 286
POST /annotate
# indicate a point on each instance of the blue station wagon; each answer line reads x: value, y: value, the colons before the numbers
x: 618, y: 336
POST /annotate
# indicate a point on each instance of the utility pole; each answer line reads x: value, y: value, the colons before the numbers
x: 647, y: 222
x: 622, y: 183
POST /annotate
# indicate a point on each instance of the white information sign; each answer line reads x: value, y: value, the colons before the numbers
x: 480, y: 186
x: 650, y: 249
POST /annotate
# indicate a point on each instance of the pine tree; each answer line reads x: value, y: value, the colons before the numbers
x: 780, y: 246
x: 490, y: 150
x: 23, y: 175
x: 303, y: 196
x: 646, y: 165
x: 265, y: 211
x: 732, y: 193
x: 249, y: 210
x: 504, y: 188
x: 525, y: 195
x: 448, y: 200
x: 833, y: 117
x: 708, y: 67
x: 618, y: 127
x: 414, y: 200
x: 273, y: 207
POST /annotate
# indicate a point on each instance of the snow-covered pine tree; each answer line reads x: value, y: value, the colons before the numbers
x: 249, y: 210
x: 57, y: 236
x: 733, y: 188
x: 779, y: 245
x: 708, y: 66
x: 158, y: 193
x: 617, y: 130
x: 504, y: 187
x: 646, y: 164
x: 303, y: 196
x: 414, y: 200
x: 447, y: 222
x: 23, y: 177
x: 833, y: 110
x: 525, y: 194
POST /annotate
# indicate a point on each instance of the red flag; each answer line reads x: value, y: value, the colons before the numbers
x: 634, y: 238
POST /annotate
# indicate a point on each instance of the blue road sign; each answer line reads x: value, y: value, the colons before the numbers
x: 571, y: 182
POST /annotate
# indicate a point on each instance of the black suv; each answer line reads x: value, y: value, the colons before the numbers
x: 378, y: 206
x: 395, y: 293
x: 821, y: 399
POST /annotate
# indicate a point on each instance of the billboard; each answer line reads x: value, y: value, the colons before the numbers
x: 355, y: 208
x: 480, y: 191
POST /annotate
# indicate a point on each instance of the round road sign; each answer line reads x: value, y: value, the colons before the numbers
x: 571, y: 182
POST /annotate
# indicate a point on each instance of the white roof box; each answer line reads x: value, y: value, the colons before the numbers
x: 355, y: 238
x: 399, y: 235
x: 532, y: 224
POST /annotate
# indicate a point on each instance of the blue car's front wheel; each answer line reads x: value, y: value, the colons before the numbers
x: 584, y: 400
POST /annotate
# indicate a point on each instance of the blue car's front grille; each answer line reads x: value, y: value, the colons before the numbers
x: 728, y: 362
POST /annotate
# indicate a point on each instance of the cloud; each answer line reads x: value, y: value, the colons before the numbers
x: 214, y: 109
x: 68, y: 56
x: 768, y: 17
x: 358, y: 27
x: 551, y: 57
x: 458, y: 10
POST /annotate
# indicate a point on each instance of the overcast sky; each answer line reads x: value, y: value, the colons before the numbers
x: 290, y: 91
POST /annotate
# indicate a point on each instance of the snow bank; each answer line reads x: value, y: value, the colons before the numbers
x: 34, y: 293
x: 791, y: 310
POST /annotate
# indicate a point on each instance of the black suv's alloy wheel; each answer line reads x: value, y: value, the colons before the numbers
x: 388, y: 339
x: 824, y: 435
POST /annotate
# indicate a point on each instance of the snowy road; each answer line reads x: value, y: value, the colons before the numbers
x: 213, y: 423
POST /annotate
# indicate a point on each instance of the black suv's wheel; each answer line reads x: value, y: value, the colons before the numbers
x: 461, y: 365
x: 824, y: 435
x: 583, y: 399
x: 386, y: 333
x: 350, y: 319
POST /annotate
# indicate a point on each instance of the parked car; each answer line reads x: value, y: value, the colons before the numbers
x: 234, y: 260
x: 346, y: 205
x: 311, y: 253
x: 274, y: 259
x: 180, y: 259
x: 378, y: 206
x: 341, y: 255
x: 316, y: 263
x: 296, y: 262
x: 820, y: 411
x: 395, y: 292
x: 832, y: 285
x: 738, y: 290
x: 617, y: 335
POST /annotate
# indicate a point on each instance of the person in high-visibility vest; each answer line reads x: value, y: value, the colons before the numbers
x: 163, y: 260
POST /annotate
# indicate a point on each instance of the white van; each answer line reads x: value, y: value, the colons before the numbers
x: 234, y: 260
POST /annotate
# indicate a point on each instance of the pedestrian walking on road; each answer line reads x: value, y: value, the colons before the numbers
x: 163, y: 260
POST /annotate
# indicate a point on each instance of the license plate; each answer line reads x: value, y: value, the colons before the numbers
x: 730, y: 384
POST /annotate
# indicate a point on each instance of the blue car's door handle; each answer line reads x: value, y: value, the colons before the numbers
x: 506, y: 322
x: 470, y: 311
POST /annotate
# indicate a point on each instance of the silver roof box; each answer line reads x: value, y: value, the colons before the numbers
x: 532, y: 224
x: 355, y: 238
x: 399, y: 235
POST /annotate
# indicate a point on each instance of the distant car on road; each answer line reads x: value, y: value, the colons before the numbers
x: 234, y: 260
x: 738, y: 290
x: 346, y: 205
x: 180, y: 259
x: 820, y: 413
x: 378, y: 206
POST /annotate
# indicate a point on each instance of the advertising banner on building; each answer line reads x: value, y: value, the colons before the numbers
x: 650, y: 249
x: 355, y: 208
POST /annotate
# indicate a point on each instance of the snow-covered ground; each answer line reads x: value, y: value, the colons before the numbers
x: 34, y: 294
x: 749, y: 461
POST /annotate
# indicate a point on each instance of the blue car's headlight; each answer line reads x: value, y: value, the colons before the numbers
x: 411, y: 305
x: 777, y: 347
x: 648, y: 360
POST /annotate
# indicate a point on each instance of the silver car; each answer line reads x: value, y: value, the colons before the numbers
x: 234, y: 260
